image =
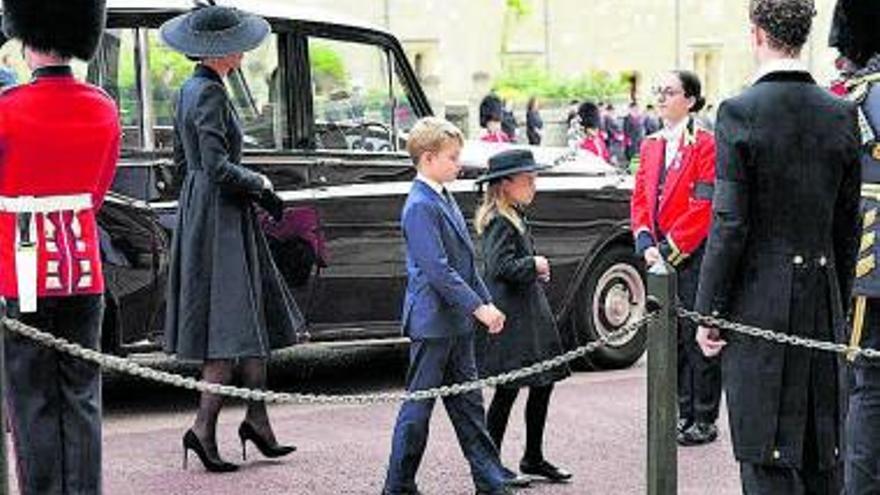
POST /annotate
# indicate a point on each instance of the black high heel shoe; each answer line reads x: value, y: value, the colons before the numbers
x: 218, y: 465
x: 247, y: 432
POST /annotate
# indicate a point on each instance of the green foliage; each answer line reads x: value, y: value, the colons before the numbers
x: 520, y: 8
x: 521, y: 83
x: 328, y: 68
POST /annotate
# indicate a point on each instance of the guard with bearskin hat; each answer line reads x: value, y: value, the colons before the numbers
x: 854, y: 34
x: 60, y: 144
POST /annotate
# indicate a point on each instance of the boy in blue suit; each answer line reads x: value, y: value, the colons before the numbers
x: 443, y: 295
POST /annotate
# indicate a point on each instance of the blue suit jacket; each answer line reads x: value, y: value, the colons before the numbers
x: 443, y: 287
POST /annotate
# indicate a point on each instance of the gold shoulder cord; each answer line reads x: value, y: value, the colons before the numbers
x: 858, y: 325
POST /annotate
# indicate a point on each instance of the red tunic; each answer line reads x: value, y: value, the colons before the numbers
x: 58, y: 137
x: 677, y: 217
x: 596, y: 145
x: 495, y: 137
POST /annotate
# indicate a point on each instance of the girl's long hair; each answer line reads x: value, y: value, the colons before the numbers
x: 496, y: 203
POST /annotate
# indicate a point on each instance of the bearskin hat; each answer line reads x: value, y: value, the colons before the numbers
x: 491, y: 109
x: 855, y: 29
x: 68, y: 28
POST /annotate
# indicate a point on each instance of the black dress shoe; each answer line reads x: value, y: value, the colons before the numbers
x: 698, y: 434
x: 270, y: 450
x: 544, y: 469
x: 517, y: 481
x: 212, y: 464
x: 683, y: 424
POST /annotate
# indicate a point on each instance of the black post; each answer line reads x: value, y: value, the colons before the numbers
x: 662, y: 382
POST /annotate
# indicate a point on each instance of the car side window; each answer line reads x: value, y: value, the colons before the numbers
x: 358, y: 102
x: 254, y: 92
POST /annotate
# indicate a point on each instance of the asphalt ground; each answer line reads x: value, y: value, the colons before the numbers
x: 596, y: 429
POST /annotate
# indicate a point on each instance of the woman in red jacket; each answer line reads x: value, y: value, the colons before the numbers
x: 670, y: 213
x: 594, y: 139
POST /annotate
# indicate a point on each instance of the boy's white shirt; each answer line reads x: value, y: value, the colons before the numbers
x: 433, y: 184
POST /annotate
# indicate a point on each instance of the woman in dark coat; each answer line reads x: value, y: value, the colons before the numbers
x: 227, y: 302
x: 514, y: 276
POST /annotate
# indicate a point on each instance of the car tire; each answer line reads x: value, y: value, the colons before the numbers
x: 612, y: 295
x: 111, y: 340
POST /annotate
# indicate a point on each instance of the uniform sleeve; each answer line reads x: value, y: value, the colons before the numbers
x: 692, y: 227
x: 210, y: 120
x: 108, y: 171
x: 424, y: 246
x: 730, y: 213
x: 501, y: 257
x: 640, y: 221
x: 846, y: 211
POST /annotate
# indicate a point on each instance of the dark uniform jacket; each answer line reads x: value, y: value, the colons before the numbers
x: 780, y: 256
x: 226, y: 298
x: 530, y: 333
x: 864, y: 89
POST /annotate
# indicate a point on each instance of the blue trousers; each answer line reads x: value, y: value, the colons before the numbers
x: 433, y: 363
x: 862, y: 470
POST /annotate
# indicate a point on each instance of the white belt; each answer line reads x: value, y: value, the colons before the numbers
x: 45, y: 204
x: 26, y: 252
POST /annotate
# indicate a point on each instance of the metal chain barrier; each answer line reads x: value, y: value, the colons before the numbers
x: 126, y: 366
x: 780, y: 338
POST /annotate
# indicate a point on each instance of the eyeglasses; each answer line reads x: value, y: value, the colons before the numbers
x: 666, y: 92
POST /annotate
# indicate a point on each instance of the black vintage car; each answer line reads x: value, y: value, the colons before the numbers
x: 326, y: 104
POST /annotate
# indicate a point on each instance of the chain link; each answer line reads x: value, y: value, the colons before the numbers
x: 781, y: 338
x: 126, y: 366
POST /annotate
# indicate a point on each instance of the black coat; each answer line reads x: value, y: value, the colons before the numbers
x: 530, y: 333
x: 780, y: 256
x: 226, y: 298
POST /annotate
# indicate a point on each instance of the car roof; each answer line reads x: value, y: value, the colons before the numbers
x: 276, y: 9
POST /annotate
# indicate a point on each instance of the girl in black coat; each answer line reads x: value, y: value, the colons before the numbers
x: 514, y: 276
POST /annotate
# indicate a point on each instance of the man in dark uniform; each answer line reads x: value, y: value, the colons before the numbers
x: 780, y: 256
x: 60, y: 143
x: 854, y: 34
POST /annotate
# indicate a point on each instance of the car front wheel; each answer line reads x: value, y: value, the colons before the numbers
x: 613, y: 295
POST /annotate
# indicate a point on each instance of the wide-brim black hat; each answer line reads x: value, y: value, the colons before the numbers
x: 67, y: 28
x: 854, y: 30
x: 510, y: 162
x: 214, y: 31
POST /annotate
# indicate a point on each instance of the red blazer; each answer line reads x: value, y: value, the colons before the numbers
x: 676, y: 219
x: 495, y: 137
x: 596, y: 145
x: 58, y: 137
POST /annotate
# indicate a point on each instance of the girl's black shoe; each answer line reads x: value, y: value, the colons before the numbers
x: 247, y: 432
x: 214, y: 465
x: 545, y: 470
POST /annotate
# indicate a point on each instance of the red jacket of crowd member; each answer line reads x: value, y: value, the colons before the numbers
x: 595, y: 144
x: 58, y: 138
x: 495, y: 137
x: 676, y: 215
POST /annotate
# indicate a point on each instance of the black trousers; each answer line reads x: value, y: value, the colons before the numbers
x: 699, y: 377
x: 55, y: 399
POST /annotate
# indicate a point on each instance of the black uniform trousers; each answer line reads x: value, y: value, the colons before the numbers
x: 862, y: 470
x: 699, y: 377
x: 55, y: 399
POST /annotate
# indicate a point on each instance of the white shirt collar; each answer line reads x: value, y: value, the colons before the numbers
x: 780, y: 65
x: 673, y: 134
x: 436, y: 186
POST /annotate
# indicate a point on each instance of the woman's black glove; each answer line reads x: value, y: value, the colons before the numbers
x: 272, y: 203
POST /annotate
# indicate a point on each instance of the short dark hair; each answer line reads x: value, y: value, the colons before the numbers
x: 787, y: 22
x: 692, y: 87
